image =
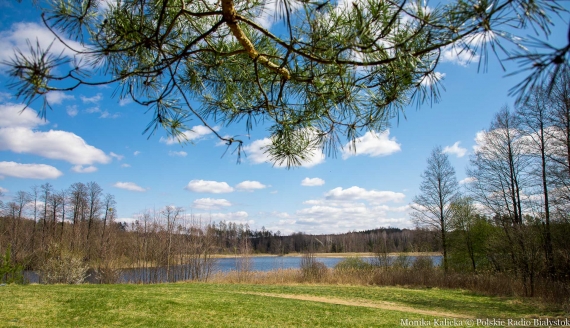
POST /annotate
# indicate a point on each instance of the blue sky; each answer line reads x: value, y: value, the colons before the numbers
x: 91, y: 136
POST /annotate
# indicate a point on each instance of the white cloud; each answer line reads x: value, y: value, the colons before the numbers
x: 178, y: 153
x: 468, y: 180
x: 16, y: 135
x: 195, y: 133
x: 57, y: 97
x: 250, y: 185
x: 210, y: 203
x: 118, y: 157
x: 239, y: 217
x: 92, y: 100
x: 3, y: 190
x: 256, y: 154
x: 357, y: 193
x: 19, y: 33
x: 11, y: 116
x: 457, y: 55
x: 129, y: 186
x: 72, y: 110
x: 214, y: 187
x: 136, y: 153
x: 92, y: 110
x: 125, y: 165
x: 455, y: 150
x: 373, y: 145
x: 106, y: 114
x: 312, y: 182
x: 329, y: 217
x: 432, y: 79
x: 29, y: 171
x: 52, y: 144
x: 125, y: 101
x: 82, y: 169
x: 267, y: 17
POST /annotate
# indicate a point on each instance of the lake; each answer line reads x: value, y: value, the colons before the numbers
x: 258, y: 263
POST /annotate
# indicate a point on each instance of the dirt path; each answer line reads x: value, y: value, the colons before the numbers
x: 377, y: 305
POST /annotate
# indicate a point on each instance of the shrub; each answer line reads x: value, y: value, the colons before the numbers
x: 10, y: 272
x: 311, y: 269
x: 62, y: 266
x: 353, y: 263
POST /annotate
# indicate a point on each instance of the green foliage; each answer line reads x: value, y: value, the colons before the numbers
x: 329, y: 76
x: 10, y: 272
x: 353, y: 263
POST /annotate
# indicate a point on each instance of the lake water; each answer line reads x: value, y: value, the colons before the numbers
x: 258, y: 263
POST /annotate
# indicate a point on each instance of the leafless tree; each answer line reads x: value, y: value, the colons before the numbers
x: 431, y: 208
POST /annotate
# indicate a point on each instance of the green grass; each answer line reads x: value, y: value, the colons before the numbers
x: 219, y: 305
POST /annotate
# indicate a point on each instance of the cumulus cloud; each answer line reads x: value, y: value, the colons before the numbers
x: 458, y: 56
x: 16, y: 135
x: 213, y: 187
x: 312, y: 182
x: 125, y: 165
x: 267, y: 15
x: 256, y: 154
x: 19, y: 34
x: 455, y: 150
x: 14, y: 115
x: 239, y: 217
x: 357, y: 193
x: 195, y: 133
x: 92, y: 100
x: 82, y: 169
x: 136, y: 153
x: 432, y: 79
x: 57, y: 97
x: 178, y: 153
x: 250, y: 185
x: 372, y: 144
x: 53, y: 144
x: 129, y: 186
x: 3, y: 190
x: 330, y: 217
x: 210, y: 203
x: 29, y: 171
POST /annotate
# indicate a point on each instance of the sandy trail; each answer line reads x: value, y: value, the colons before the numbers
x: 377, y: 305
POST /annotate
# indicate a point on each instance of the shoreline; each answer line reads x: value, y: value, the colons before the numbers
x: 331, y: 255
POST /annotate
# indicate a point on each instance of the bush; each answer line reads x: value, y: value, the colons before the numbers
x: 62, y: 266
x: 353, y: 263
x: 311, y: 269
x: 10, y: 272
x: 423, y: 263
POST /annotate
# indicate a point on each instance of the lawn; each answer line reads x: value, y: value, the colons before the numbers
x: 238, y: 305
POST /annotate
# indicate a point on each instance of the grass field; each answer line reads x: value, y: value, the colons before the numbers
x: 237, y: 305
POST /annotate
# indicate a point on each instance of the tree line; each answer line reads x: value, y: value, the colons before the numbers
x: 65, y: 234
x: 512, y: 215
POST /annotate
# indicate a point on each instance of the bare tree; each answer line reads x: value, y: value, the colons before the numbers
x: 431, y: 208
x: 534, y: 116
x: 500, y: 168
